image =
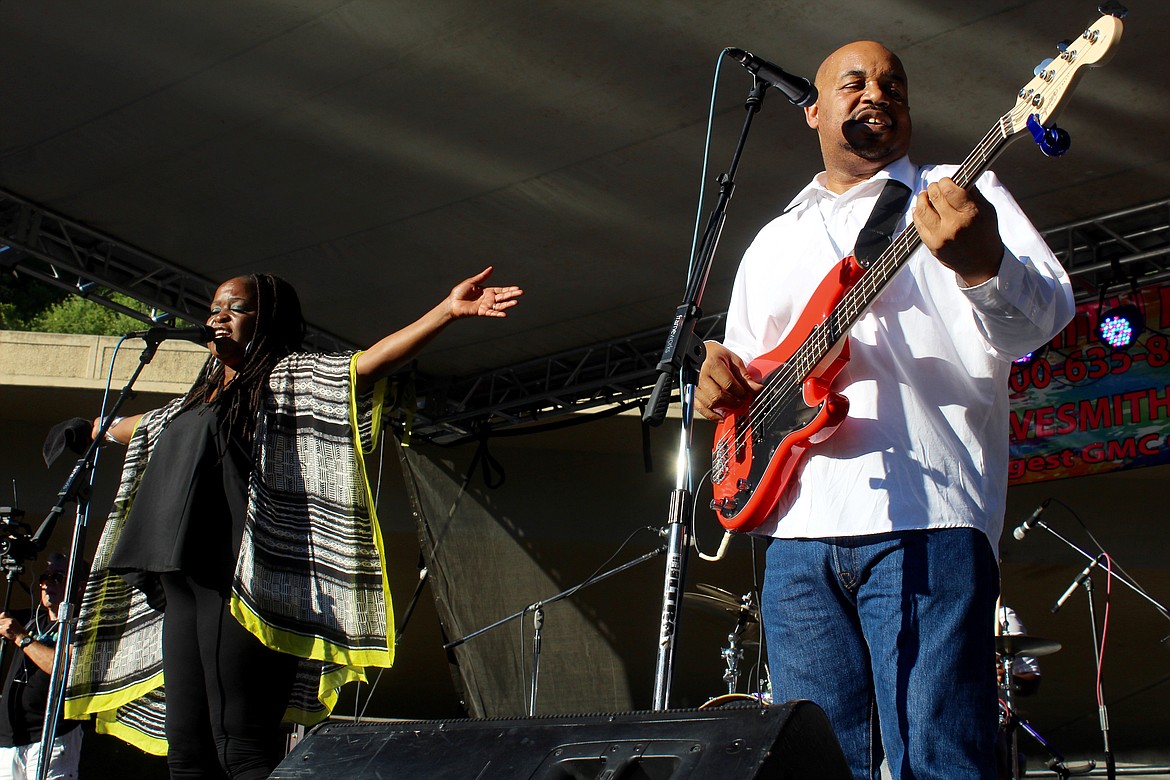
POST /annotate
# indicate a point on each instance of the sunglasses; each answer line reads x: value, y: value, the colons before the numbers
x: 55, y: 577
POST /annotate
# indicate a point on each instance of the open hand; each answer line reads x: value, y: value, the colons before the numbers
x: 470, y: 298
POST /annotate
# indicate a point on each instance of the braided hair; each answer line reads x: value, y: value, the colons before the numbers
x: 280, y: 331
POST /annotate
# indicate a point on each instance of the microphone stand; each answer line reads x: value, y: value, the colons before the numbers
x: 683, y: 357
x: 1102, y: 710
x: 1122, y: 578
x: 76, y: 489
x: 537, y: 610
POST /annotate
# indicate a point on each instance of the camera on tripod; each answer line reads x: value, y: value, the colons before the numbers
x: 15, y: 539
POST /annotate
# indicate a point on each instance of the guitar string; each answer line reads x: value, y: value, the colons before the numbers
x: 856, y: 300
x: 820, y: 341
x: 784, y: 384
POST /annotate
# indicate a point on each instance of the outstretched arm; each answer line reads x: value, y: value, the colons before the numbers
x: 469, y: 298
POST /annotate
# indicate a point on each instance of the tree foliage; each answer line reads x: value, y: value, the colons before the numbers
x: 79, y: 315
x: 22, y: 298
x: 31, y: 305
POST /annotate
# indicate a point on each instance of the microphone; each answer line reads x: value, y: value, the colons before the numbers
x: 799, y: 91
x: 1032, y: 521
x: 1080, y: 580
x: 200, y: 334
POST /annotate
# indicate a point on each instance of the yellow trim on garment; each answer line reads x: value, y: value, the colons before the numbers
x: 106, y: 724
x: 104, y: 707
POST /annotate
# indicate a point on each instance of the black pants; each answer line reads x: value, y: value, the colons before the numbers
x: 226, y: 692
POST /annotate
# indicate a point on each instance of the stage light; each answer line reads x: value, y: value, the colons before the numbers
x: 1025, y: 361
x: 1120, y: 327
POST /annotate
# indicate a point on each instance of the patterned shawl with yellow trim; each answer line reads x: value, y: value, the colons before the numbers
x: 310, y: 579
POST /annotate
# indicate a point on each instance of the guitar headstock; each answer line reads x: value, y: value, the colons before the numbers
x: 1043, y: 97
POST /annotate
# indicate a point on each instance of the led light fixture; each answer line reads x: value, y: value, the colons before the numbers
x: 1120, y: 327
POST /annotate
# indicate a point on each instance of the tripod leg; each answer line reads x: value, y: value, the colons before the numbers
x: 1056, y: 761
x: 1008, y: 748
x: 1014, y: 753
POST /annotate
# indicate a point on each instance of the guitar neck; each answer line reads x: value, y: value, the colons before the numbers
x: 856, y: 302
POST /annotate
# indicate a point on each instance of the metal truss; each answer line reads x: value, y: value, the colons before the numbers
x: 619, y: 372
x: 37, y: 243
x: 1104, y: 255
x: 1115, y: 251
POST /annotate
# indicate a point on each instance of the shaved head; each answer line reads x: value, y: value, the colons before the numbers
x: 862, y: 113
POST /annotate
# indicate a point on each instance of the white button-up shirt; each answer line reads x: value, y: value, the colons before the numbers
x: 925, y: 443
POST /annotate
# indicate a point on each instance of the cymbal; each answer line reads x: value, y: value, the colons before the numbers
x: 1019, y: 644
x: 720, y: 602
x: 718, y: 593
x: 720, y: 607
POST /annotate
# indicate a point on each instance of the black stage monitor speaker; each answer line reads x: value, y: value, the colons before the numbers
x: 787, y: 741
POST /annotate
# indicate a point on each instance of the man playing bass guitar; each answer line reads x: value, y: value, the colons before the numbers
x: 881, y: 574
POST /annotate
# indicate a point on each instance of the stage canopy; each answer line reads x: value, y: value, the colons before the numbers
x: 374, y: 153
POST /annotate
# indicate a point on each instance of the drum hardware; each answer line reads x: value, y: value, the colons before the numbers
x: 1008, y: 647
x: 1084, y: 580
x: 1011, y: 645
x: 747, y: 620
x: 722, y: 603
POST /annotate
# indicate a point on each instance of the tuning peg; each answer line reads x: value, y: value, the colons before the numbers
x: 1053, y: 141
x: 1113, y: 8
x: 1063, y: 46
x: 1041, y: 69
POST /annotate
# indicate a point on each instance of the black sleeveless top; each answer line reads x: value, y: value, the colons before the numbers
x: 188, y: 511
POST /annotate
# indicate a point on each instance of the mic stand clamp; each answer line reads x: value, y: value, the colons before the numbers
x: 76, y: 489
x: 683, y: 357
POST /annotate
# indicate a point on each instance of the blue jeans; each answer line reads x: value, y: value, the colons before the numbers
x: 897, y: 630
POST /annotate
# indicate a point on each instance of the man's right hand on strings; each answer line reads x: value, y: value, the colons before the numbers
x: 724, y: 383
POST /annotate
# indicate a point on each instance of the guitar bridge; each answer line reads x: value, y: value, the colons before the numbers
x: 720, y: 460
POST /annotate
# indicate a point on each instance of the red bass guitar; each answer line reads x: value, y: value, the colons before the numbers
x: 757, y: 452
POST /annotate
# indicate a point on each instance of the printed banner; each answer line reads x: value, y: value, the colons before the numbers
x: 1081, y: 408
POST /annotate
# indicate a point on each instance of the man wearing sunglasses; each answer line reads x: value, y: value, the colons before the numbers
x: 26, y: 690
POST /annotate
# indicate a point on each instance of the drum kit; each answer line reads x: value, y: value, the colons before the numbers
x: 745, y: 634
x: 743, y: 613
x: 1009, y: 648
